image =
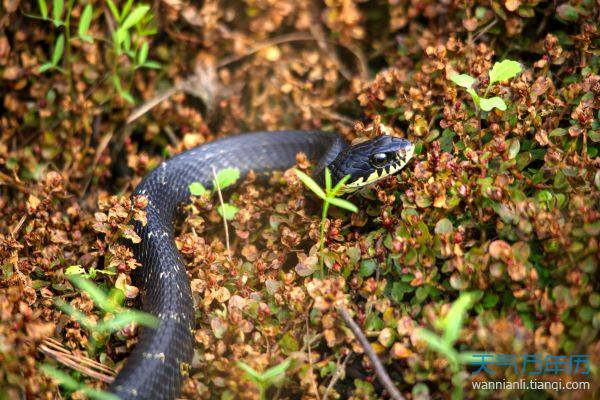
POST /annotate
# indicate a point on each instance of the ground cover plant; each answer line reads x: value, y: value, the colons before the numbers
x: 486, y: 241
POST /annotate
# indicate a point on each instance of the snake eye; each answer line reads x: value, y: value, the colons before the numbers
x: 379, y: 159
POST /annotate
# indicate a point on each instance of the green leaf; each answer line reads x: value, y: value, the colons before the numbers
x: 454, y: 319
x: 84, y: 23
x: 96, y: 294
x: 341, y: 203
x: 227, y: 177
x: 275, y: 371
x: 125, y: 39
x: 143, y: 54
x: 152, y: 65
x: 443, y: 226
x: 123, y: 93
x: 436, y: 343
x: 474, y: 96
x: 114, y: 10
x: 513, y: 148
x: 251, y: 372
x: 126, y: 8
x: 127, y: 96
x: 339, y: 185
x: 59, y: 47
x: 463, y: 80
x: 504, y: 70
x: 45, y: 67
x: 75, y: 270
x: 43, y: 8
x: 494, y: 102
x: 122, y: 319
x: 71, y: 384
x: 311, y: 184
x: 230, y: 211
x: 198, y: 189
x: 98, y: 394
x: 567, y: 13
x: 367, y: 267
x: 57, y: 10
x: 327, y: 180
x: 136, y: 16
x: 557, y: 132
x: 75, y: 314
x: 63, y: 379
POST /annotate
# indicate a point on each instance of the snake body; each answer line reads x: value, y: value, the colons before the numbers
x: 158, y: 363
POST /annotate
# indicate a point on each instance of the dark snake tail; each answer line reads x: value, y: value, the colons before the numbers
x: 157, y: 364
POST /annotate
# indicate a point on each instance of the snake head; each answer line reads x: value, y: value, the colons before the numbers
x: 370, y: 161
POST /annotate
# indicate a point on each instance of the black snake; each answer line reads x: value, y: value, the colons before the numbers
x: 157, y: 364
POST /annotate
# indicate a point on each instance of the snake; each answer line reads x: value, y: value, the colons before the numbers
x: 161, y: 359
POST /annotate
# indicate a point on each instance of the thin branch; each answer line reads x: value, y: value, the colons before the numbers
x: 339, y: 367
x: 382, y: 374
x: 484, y: 30
x: 223, y: 211
x: 87, y: 366
x: 308, y: 350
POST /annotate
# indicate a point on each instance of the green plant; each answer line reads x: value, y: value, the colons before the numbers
x: 224, y: 178
x: 73, y: 385
x: 451, y: 326
x: 329, y: 196
x: 92, y: 273
x: 501, y: 71
x: 115, y: 316
x: 129, y: 20
x: 62, y: 44
x: 265, y: 379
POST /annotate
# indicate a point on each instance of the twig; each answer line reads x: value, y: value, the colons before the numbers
x: 223, y: 211
x: 171, y: 135
x: 382, y: 374
x: 336, y: 375
x: 85, y: 365
x: 484, y: 30
x: 308, y: 350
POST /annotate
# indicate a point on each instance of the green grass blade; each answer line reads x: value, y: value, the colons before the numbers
x: 143, y: 54
x: 57, y: 11
x: 114, y: 10
x: 454, y: 319
x: 251, y: 372
x: 75, y: 314
x: 58, y: 49
x: 436, y: 343
x: 62, y: 378
x: 136, y: 16
x: 122, y: 319
x: 96, y: 294
x: 43, y: 8
x: 275, y: 371
x: 311, y: 184
x: 339, y: 185
x: 327, y: 180
x: 85, y: 21
x: 341, y: 203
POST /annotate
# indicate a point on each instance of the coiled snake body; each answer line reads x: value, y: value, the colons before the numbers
x: 158, y: 362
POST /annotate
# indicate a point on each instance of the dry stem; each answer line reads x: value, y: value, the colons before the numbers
x: 382, y: 374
